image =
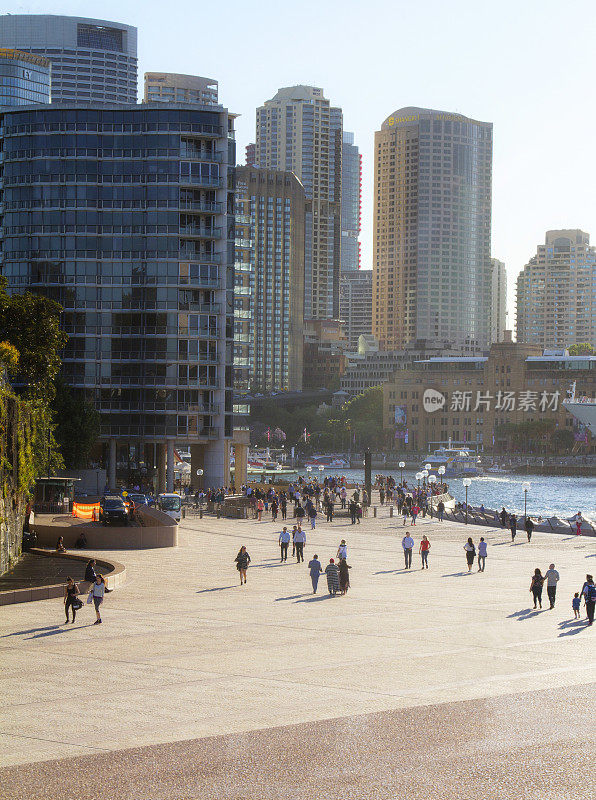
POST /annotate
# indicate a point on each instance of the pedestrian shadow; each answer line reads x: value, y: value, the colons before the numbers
x: 500, y: 544
x: 457, y: 574
x: 572, y: 626
x: 316, y: 598
x: 50, y: 629
x: 53, y: 631
x: 401, y: 571
x: 216, y: 589
x: 525, y: 613
x: 292, y: 597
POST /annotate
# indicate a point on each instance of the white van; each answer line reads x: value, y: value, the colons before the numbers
x: 170, y: 504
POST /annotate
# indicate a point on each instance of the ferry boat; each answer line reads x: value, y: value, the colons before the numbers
x: 582, y: 408
x: 328, y: 462
x: 458, y: 462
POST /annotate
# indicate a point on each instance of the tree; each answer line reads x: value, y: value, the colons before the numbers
x: 77, y: 425
x: 562, y: 440
x: 31, y: 323
x: 583, y: 349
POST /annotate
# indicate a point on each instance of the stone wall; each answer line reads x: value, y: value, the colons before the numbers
x: 12, y: 500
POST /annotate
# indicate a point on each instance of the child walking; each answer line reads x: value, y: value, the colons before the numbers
x: 575, y: 603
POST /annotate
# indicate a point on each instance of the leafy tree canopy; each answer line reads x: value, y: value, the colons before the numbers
x: 77, y: 425
x: 583, y: 349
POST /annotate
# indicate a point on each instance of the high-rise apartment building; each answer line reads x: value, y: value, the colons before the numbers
x: 355, y: 304
x: 250, y: 158
x: 92, y: 60
x: 351, y: 203
x: 269, y: 280
x: 132, y: 239
x: 432, y: 221
x: 24, y: 78
x: 299, y: 131
x: 556, y: 292
x: 169, y: 87
x: 498, y: 305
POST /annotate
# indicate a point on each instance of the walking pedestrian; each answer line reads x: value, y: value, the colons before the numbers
x: 404, y: 512
x: 274, y: 509
x: 260, y: 507
x: 312, y: 515
x: 578, y: 523
x: 513, y: 526
x: 329, y: 509
x: 242, y: 561
x: 552, y: 577
x: 482, y: 548
x: 299, y: 541
x: 90, y: 571
x: 415, y: 511
x: 407, y: 543
x: 424, y: 548
x: 283, y: 504
x: 342, y: 550
x: 315, y: 569
x: 71, y: 600
x: 504, y: 517
x: 440, y: 510
x: 284, y: 541
x: 589, y: 594
x: 529, y: 525
x: 470, y: 553
x: 332, y: 573
x: 575, y: 604
x: 536, y: 585
x: 97, y: 593
x: 353, y: 509
x: 344, y: 576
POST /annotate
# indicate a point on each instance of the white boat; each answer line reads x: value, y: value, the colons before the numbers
x: 328, y: 462
x: 582, y: 408
x: 496, y: 469
x: 458, y: 462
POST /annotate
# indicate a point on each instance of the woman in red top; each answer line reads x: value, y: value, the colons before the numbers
x: 424, y: 548
x: 415, y: 511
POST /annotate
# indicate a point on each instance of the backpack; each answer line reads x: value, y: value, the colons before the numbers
x: 591, y: 593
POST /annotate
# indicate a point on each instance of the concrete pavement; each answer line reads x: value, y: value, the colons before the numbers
x: 185, y: 653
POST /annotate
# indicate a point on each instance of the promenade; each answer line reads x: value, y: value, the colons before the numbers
x: 434, y: 683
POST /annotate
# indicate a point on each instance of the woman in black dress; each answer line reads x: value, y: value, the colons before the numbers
x: 242, y: 562
x: 470, y: 553
x: 344, y: 576
x: 536, y: 587
x: 71, y: 590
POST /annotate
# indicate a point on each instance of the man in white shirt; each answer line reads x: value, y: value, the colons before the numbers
x: 299, y: 542
x: 552, y: 578
x: 407, y: 543
x: 284, y: 541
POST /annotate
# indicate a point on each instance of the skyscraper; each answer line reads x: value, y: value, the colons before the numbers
x: 355, y: 304
x: 556, y: 292
x: 169, y: 87
x: 133, y: 243
x: 269, y: 280
x: 299, y: 131
x: 24, y: 78
x: 498, y: 306
x: 351, y: 203
x: 432, y: 218
x: 92, y: 60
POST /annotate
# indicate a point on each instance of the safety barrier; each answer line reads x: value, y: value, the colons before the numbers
x: 88, y: 511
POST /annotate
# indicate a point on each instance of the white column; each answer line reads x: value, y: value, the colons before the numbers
x: 215, y: 464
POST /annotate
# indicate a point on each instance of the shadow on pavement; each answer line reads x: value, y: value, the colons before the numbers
x: 457, y: 574
x: 216, y: 589
x: 525, y: 613
x: 572, y: 626
x: 316, y: 598
x: 50, y: 629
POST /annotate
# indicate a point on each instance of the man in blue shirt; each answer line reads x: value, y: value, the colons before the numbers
x: 407, y: 543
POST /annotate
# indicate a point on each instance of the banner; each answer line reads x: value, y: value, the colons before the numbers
x: 85, y: 510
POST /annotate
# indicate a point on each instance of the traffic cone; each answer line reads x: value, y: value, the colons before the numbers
x: 93, y: 519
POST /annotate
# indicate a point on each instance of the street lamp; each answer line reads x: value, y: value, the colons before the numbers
x: 441, y: 471
x: 427, y: 467
x: 526, y: 488
x: 432, y: 480
x: 402, y: 464
x: 467, y: 482
x: 424, y: 474
x: 419, y: 478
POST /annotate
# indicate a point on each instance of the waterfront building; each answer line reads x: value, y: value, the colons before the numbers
x: 351, y: 203
x: 432, y: 222
x: 133, y: 242
x: 169, y: 87
x: 556, y: 292
x: 269, y: 280
x: 471, y: 400
x: 498, y: 305
x: 355, y: 304
x: 92, y: 60
x: 299, y: 131
x: 24, y: 78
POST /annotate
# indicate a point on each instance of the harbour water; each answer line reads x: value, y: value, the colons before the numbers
x: 548, y: 496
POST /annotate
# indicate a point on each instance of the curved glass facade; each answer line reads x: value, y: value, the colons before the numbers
x: 24, y: 78
x: 121, y: 215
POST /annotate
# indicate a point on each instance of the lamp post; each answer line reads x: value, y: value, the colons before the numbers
x: 424, y: 474
x: 526, y: 488
x: 419, y: 478
x: 402, y: 464
x: 467, y: 482
x: 441, y: 472
x: 432, y: 480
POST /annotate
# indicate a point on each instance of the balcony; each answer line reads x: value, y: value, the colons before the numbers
x: 201, y: 155
x: 243, y: 266
x: 200, y: 232
x: 201, y: 258
x: 205, y: 208
x: 199, y: 180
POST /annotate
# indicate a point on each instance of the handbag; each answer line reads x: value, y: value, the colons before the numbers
x: 90, y: 597
x: 77, y: 604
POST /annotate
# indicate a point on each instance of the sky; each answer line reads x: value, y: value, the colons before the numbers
x: 527, y: 66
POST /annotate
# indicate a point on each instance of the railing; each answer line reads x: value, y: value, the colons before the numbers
x: 201, y: 232
x: 199, y: 180
x: 206, y: 208
x: 199, y: 155
x: 200, y: 258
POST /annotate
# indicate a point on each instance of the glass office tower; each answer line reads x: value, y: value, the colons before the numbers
x: 351, y: 203
x: 124, y: 215
x: 24, y: 78
x: 92, y: 60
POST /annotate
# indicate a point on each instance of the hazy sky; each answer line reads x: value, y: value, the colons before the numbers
x: 527, y: 66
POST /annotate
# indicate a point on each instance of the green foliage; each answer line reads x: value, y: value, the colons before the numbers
x: 359, y: 424
x: 583, y: 349
x: 9, y: 357
x: 527, y: 437
x: 31, y: 324
x: 77, y: 425
x: 562, y: 440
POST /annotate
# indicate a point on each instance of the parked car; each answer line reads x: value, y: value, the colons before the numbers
x: 171, y: 504
x: 113, y: 511
x: 137, y: 498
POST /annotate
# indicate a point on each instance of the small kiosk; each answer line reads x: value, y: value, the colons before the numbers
x: 54, y: 495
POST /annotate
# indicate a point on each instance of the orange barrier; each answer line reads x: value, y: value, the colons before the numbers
x: 88, y: 511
